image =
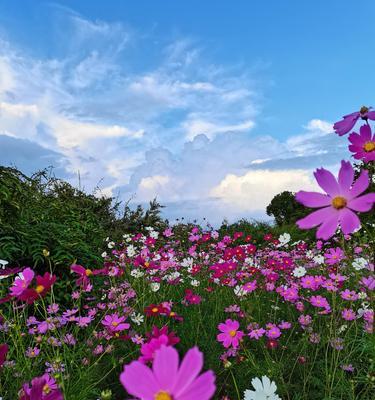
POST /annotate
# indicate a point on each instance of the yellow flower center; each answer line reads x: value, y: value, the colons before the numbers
x: 172, y: 314
x: 339, y: 202
x: 155, y: 309
x: 39, y: 288
x: 369, y: 146
x: 147, y: 264
x: 162, y: 395
x: 114, y: 323
x: 88, y: 272
x: 232, y: 333
x: 364, y: 110
x: 46, y: 389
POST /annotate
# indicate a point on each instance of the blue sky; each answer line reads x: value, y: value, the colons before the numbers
x: 212, y: 106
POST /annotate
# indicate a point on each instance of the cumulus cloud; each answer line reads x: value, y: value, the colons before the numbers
x: 180, y: 129
x: 254, y: 190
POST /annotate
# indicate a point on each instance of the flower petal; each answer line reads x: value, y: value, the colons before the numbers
x: 165, y: 367
x: 313, y: 199
x: 349, y: 221
x: 328, y: 227
x: 139, y: 381
x: 190, y: 367
x: 360, y: 185
x: 346, y: 177
x: 327, y: 182
x: 363, y: 203
x: 316, y: 218
x: 365, y: 132
x: 202, y: 388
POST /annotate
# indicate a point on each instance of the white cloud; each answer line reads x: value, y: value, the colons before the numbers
x: 254, y: 190
x: 197, y: 126
x: 180, y: 128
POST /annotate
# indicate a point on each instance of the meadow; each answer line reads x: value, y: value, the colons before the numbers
x: 188, y: 312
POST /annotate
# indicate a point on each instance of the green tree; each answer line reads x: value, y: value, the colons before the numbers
x: 285, y: 209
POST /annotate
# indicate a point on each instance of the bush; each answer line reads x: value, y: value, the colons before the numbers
x: 42, y: 212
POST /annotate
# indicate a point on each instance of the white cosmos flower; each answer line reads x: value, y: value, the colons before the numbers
x: 130, y: 251
x: 3, y: 263
x: 358, y: 263
x: 239, y: 291
x: 155, y: 286
x: 104, y: 254
x: 137, y: 318
x: 136, y: 273
x: 265, y: 389
x: 111, y: 245
x: 319, y: 259
x: 154, y: 234
x: 195, y: 282
x: 187, y: 262
x: 299, y: 272
x: 284, y: 239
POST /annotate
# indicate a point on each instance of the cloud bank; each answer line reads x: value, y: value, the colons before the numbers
x: 180, y: 129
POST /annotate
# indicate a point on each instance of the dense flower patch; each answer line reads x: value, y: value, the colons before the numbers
x: 250, y: 320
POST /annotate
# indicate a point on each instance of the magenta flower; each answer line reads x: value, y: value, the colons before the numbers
x: 273, y: 333
x: 42, y: 388
x: 363, y: 144
x: 22, y: 282
x: 349, y: 295
x: 230, y: 335
x: 114, y: 323
x: 250, y: 286
x: 319, y: 301
x: 338, y: 204
x: 368, y: 282
x: 32, y: 352
x: 257, y: 333
x: 305, y: 320
x: 347, y: 123
x: 3, y: 353
x: 167, y: 380
x: 334, y: 256
x: 348, y: 314
x: 149, y: 349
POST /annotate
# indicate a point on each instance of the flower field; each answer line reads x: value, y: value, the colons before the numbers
x: 195, y: 315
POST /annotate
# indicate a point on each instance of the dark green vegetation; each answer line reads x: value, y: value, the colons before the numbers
x: 42, y: 212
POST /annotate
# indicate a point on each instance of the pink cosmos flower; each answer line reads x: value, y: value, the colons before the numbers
x: 308, y: 282
x: 257, y: 333
x: 156, y: 333
x: 347, y: 123
x: 32, y: 352
x: 273, y: 333
x: 363, y: 144
x: 114, y: 323
x: 84, y: 275
x: 149, y: 349
x: 22, y: 282
x: 348, y: 314
x: 350, y: 295
x: 169, y: 380
x: 337, y: 206
x: 368, y: 282
x: 305, y: 320
x: 334, y: 256
x: 285, y: 325
x: 42, y: 388
x: 230, y: 335
x: 319, y: 301
x: 3, y: 353
x: 250, y: 286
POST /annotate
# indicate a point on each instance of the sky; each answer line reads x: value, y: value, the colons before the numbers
x: 213, y: 107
